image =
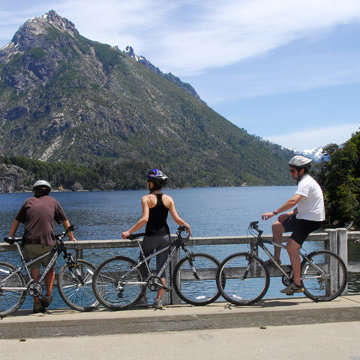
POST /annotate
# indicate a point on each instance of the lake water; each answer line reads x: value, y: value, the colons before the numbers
x: 210, y: 211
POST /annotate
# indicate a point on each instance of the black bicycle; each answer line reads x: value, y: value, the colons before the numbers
x: 118, y: 282
x: 74, y: 279
x: 243, y: 278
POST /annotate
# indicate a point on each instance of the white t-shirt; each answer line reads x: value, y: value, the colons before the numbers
x: 311, y: 206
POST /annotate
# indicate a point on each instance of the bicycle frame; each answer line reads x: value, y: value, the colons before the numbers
x: 147, y: 259
x: 260, y: 242
x: 25, y: 265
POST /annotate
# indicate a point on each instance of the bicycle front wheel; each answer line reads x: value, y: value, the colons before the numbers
x: 116, y: 284
x: 75, y: 285
x: 243, y: 279
x: 12, y: 293
x: 324, y: 276
x: 194, y: 279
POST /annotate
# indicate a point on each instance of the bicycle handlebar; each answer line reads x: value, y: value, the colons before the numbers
x: 179, y: 230
x: 12, y: 239
x: 135, y: 236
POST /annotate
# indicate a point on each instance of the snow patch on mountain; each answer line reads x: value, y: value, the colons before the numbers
x: 316, y: 154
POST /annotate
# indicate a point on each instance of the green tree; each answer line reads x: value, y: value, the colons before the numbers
x: 340, y: 178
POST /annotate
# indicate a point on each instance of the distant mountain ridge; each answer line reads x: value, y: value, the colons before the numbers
x: 64, y: 97
x: 316, y: 154
x: 169, y: 76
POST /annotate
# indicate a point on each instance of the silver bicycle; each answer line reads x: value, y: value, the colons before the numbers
x: 243, y: 278
x: 74, y: 279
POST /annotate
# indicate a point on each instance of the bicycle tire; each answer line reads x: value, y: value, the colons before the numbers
x: 10, y: 301
x: 237, y: 289
x: 75, y: 285
x: 320, y: 286
x: 192, y: 290
x: 107, y: 287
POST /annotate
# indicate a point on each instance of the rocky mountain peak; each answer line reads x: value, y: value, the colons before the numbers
x: 28, y: 33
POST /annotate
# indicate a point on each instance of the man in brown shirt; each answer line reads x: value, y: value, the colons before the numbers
x: 38, y: 214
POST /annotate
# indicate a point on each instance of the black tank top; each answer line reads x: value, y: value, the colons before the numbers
x: 157, y: 224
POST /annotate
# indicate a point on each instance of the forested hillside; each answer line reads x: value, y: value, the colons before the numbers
x: 87, y: 107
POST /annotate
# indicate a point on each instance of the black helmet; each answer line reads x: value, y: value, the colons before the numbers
x: 157, y: 177
x: 300, y: 162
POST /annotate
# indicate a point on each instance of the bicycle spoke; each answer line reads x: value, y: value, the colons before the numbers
x: 117, y: 284
x: 195, y: 279
x: 75, y: 285
x: 324, y: 276
x: 242, y: 279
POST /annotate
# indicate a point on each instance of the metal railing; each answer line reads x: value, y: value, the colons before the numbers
x: 336, y: 240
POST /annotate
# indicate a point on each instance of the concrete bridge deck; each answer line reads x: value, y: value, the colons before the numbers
x: 272, y: 312
x: 286, y: 329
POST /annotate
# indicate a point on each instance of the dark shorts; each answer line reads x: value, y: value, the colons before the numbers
x: 32, y: 251
x: 300, y: 228
x: 154, y: 243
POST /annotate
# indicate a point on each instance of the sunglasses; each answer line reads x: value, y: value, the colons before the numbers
x: 293, y: 171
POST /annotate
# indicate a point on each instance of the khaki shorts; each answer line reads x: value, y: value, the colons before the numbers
x: 32, y: 251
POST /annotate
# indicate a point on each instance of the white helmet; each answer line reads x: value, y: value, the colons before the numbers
x: 300, y: 161
x: 41, y: 183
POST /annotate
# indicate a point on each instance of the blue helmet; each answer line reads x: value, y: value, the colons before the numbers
x: 157, y: 177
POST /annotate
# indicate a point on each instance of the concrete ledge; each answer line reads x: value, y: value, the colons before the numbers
x: 274, y: 312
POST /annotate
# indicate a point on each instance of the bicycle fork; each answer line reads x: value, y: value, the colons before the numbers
x: 190, y: 257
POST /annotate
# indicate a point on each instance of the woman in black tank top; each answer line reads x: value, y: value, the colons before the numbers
x: 155, y: 209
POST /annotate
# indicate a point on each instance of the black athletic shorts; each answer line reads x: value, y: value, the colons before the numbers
x: 154, y: 243
x: 300, y: 228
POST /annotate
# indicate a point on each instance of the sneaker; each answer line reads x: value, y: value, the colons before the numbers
x: 38, y: 308
x: 46, y: 301
x: 158, y: 304
x: 292, y: 288
x: 269, y: 262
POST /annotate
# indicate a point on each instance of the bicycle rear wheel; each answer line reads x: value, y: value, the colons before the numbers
x: 194, y: 279
x: 316, y: 274
x: 12, y: 297
x: 75, y: 285
x: 116, y: 284
x: 243, y: 279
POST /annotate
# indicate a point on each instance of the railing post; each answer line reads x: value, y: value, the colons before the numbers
x: 333, y: 247
x: 173, y: 298
x: 342, y: 244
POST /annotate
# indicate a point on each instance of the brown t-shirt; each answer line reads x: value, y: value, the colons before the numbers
x: 38, y: 215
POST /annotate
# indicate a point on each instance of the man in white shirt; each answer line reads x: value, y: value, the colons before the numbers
x: 308, y: 216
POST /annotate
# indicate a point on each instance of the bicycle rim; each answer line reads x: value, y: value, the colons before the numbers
x: 10, y: 299
x: 116, y: 284
x: 194, y: 279
x: 242, y: 279
x: 75, y: 285
x: 327, y: 279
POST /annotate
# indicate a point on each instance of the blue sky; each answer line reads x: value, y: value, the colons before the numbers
x: 285, y: 70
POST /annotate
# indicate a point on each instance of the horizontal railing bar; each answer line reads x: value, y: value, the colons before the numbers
x: 214, y: 240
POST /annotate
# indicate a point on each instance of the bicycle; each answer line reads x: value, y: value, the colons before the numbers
x: 243, y: 278
x: 74, y: 279
x: 118, y: 282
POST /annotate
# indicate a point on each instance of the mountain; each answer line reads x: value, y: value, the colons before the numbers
x: 129, y: 51
x: 65, y: 98
x: 316, y: 154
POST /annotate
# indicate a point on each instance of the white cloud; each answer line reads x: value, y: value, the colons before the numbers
x: 188, y: 37
x: 313, y: 138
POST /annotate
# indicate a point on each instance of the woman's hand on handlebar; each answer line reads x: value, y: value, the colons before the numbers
x: 125, y: 234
